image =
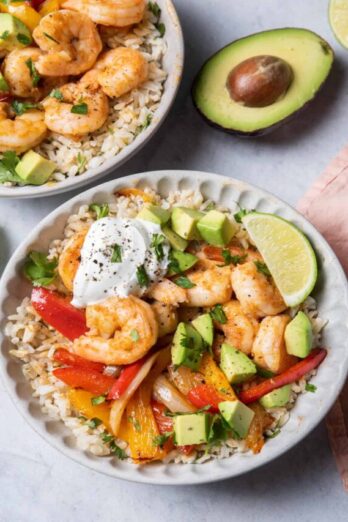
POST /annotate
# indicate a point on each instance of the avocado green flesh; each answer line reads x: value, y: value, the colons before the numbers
x: 309, y: 56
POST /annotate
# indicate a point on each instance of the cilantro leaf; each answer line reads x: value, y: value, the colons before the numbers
x: 116, y: 450
x: 4, y: 35
x: 101, y: 211
x: 157, y: 245
x: 80, y: 108
x: 144, y: 125
x: 310, y: 387
x: 33, y: 72
x: 240, y: 214
x: 262, y: 268
x: 155, y: 9
x: 21, y: 107
x: 232, y: 260
x: 50, y: 37
x: 184, y: 282
x: 56, y: 93
x: 160, y: 440
x: 24, y: 39
x: 94, y: 423
x: 116, y: 254
x: 81, y: 161
x: 161, y: 28
x: 142, y: 277
x: 39, y: 269
x: 135, y: 335
x: 218, y: 314
x: 8, y: 165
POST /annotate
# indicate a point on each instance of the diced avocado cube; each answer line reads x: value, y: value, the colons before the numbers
x: 216, y: 229
x: 187, y: 347
x: 175, y: 241
x: 236, y: 365
x: 184, y: 222
x: 276, y: 398
x: 298, y: 336
x: 238, y: 417
x: 192, y: 428
x: 13, y: 33
x: 34, y: 169
x: 155, y: 214
x: 204, y: 326
x: 183, y: 261
x: 4, y: 86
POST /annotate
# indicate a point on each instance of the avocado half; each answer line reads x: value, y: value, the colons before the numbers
x: 309, y: 56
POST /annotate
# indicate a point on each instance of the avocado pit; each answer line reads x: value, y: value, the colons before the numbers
x: 259, y: 81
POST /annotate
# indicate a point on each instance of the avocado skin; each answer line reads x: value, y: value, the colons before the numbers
x: 271, y: 128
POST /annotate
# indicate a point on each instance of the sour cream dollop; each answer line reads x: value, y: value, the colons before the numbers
x: 99, y: 276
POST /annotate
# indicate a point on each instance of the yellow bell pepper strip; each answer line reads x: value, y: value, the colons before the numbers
x: 261, y: 421
x: 48, y: 6
x: 24, y: 12
x: 127, y: 192
x: 80, y: 401
x: 142, y: 428
x: 216, y: 378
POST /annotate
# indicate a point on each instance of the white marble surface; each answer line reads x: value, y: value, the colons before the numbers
x: 38, y: 484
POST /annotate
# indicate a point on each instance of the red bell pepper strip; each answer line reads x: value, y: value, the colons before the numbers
x: 165, y: 424
x: 126, y: 377
x: 89, y: 380
x: 291, y: 375
x: 70, y: 359
x: 35, y: 4
x: 57, y: 311
x: 205, y: 395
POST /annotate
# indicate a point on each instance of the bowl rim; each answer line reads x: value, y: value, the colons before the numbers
x: 218, y: 472
x: 171, y: 88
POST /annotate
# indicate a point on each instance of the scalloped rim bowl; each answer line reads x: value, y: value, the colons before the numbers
x: 332, y: 295
x: 173, y: 63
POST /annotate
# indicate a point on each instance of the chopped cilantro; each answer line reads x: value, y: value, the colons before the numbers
x: 160, y: 440
x: 101, y: 211
x: 81, y: 161
x: 232, y: 260
x: 218, y: 314
x: 56, y: 93
x: 21, y: 107
x: 8, y: 165
x: 154, y: 8
x: 262, y: 268
x: 157, y: 245
x: 116, y: 254
x: 142, y: 277
x: 98, y: 400
x: 310, y: 387
x: 94, y: 423
x: 161, y: 28
x: 4, y: 35
x: 240, y: 214
x: 50, y: 37
x: 134, y: 335
x: 106, y: 437
x: 39, y: 269
x: 116, y: 450
x: 33, y: 72
x: 144, y: 125
x: 80, y: 108
x: 184, y: 282
x: 23, y: 39
x: 135, y: 423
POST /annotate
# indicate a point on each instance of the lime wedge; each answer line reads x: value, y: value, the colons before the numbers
x: 287, y: 252
x: 338, y: 16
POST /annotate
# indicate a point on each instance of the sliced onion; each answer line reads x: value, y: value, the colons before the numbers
x: 120, y: 404
x: 167, y: 394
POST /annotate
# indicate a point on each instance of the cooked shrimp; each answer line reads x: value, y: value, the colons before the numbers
x: 71, y: 43
x: 240, y: 328
x: 257, y: 293
x: 60, y: 118
x: 212, y: 285
x: 122, y: 330
x: 23, y: 133
x: 166, y: 317
x: 269, y: 349
x: 116, y: 13
x: 239, y: 254
x: 167, y: 292
x: 119, y: 71
x: 69, y: 259
x: 24, y: 81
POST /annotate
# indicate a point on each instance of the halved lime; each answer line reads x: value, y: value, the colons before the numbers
x: 338, y: 16
x: 287, y: 252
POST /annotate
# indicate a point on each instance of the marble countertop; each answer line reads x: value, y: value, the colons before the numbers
x: 37, y: 483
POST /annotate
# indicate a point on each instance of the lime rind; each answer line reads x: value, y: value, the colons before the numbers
x: 338, y: 18
x: 282, y: 265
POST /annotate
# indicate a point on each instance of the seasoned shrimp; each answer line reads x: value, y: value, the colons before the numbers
x: 69, y: 259
x: 116, y: 13
x: 240, y: 328
x: 71, y: 43
x: 212, y: 285
x: 23, y: 133
x: 122, y: 330
x: 20, y: 73
x: 167, y: 292
x: 166, y: 317
x: 269, y: 349
x: 119, y: 71
x: 239, y: 254
x: 257, y: 293
x: 60, y: 118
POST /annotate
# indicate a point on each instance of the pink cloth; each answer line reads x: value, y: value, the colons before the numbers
x: 326, y: 206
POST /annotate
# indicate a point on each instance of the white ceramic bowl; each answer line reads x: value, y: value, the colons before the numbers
x: 173, y: 64
x: 331, y: 292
